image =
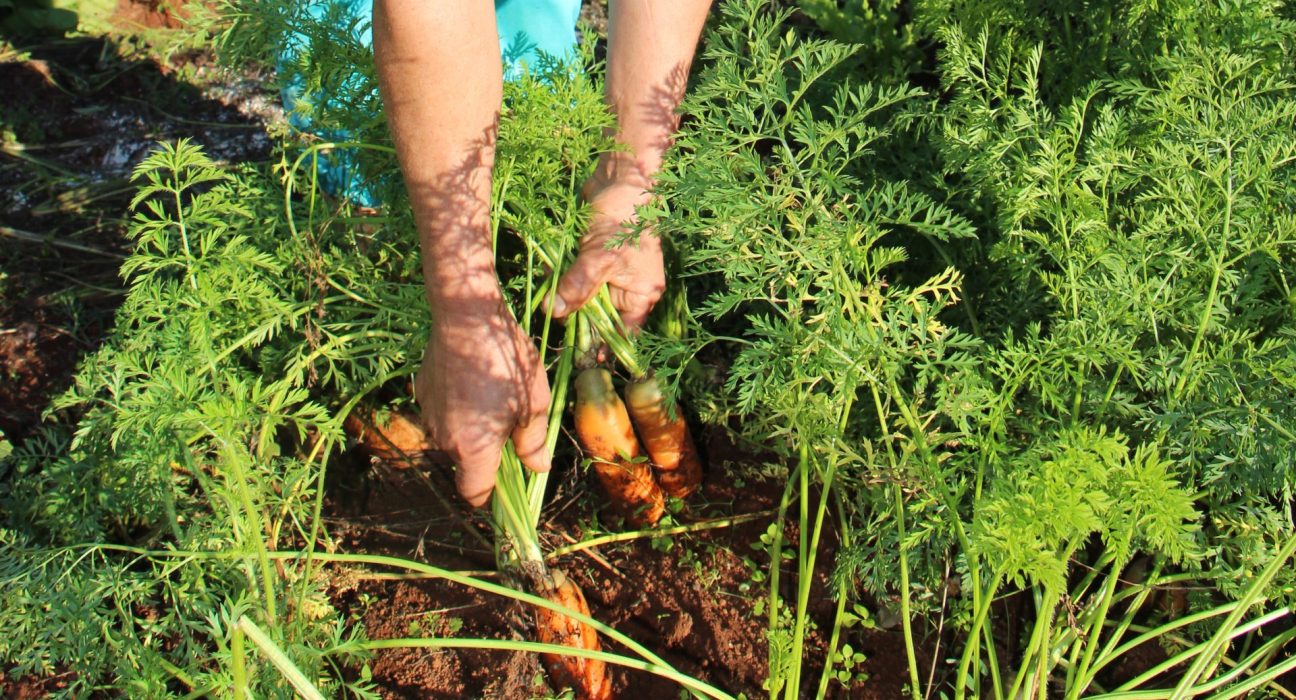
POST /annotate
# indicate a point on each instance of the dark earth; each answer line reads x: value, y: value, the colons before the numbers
x: 690, y: 598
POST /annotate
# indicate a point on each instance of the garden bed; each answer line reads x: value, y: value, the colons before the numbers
x: 691, y: 598
x: 1016, y: 336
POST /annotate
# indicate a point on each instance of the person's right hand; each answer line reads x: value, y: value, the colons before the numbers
x: 481, y: 382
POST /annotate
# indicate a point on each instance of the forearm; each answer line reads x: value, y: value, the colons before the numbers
x: 441, y: 79
x: 650, y: 49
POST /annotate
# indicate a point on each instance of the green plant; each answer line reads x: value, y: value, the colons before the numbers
x: 881, y: 28
x: 1025, y: 334
x: 182, y: 420
x: 1114, y: 366
x: 769, y: 198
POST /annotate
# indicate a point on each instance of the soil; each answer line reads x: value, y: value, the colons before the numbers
x: 34, y: 688
x: 689, y: 598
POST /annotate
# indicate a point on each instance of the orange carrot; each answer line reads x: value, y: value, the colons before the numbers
x: 399, y: 439
x: 604, y: 430
x: 669, y: 444
x: 588, y: 677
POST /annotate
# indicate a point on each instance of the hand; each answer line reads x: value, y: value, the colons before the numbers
x: 481, y: 382
x: 634, y: 273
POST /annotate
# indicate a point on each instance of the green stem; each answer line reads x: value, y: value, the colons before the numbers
x: 238, y: 663
x: 276, y: 655
x: 792, y: 690
x: 1077, y: 676
x: 324, y: 447
x: 1253, y: 596
x: 1115, y: 654
x: 807, y: 556
x: 1182, y: 657
x: 1268, y: 676
x: 1038, y: 644
x: 541, y: 648
x: 980, y: 613
x: 839, y: 611
x: 910, y: 655
x: 1140, y: 595
x: 252, y: 528
x: 557, y: 404
x: 1204, y: 324
x: 632, y: 535
x: 776, y: 551
x: 1107, y: 397
x: 394, y: 562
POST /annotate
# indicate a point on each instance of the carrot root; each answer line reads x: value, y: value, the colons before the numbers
x: 399, y: 439
x: 668, y: 441
x: 588, y: 677
x: 605, y: 433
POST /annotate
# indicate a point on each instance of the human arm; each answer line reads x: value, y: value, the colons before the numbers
x: 481, y: 380
x: 650, y: 48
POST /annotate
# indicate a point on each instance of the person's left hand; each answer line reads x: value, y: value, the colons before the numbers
x: 634, y: 272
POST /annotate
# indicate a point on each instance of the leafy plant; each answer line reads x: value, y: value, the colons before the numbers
x: 1115, y: 371
x: 179, y: 445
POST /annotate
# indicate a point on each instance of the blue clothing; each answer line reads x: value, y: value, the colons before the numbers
x: 527, y: 28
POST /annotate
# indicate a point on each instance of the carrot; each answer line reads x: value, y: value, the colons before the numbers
x: 604, y: 431
x: 399, y: 439
x: 669, y: 444
x: 588, y: 677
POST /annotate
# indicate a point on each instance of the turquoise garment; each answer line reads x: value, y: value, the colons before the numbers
x: 526, y: 29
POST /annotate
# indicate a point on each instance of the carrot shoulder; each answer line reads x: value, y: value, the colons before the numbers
x: 397, y: 438
x: 605, y: 433
x: 669, y: 444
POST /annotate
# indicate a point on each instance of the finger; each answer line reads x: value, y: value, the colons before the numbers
x: 426, y: 411
x: 634, y: 307
x: 529, y: 441
x: 529, y: 436
x: 475, y: 478
x: 580, y: 282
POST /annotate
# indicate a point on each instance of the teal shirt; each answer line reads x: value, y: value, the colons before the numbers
x: 526, y: 29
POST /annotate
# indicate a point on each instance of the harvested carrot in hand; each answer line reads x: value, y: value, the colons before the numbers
x: 669, y: 444
x: 605, y: 433
x: 588, y: 677
x: 399, y: 438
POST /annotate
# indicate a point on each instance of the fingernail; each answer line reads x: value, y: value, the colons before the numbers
x: 558, y: 307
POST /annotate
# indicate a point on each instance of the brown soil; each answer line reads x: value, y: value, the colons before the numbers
x: 33, y: 687
x: 148, y: 14
x: 689, y: 598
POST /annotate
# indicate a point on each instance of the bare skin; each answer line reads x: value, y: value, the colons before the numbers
x: 481, y: 382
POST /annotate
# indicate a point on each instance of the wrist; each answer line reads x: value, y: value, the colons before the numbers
x: 623, y: 168
x: 461, y: 294
x: 465, y: 309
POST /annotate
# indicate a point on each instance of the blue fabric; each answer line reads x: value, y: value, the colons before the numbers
x: 526, y: 29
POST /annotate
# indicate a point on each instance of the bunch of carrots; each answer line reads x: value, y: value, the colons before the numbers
x: 636, y: 484
x: 636, y: 476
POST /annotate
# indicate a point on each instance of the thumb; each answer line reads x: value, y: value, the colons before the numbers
x: 581, y: 282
